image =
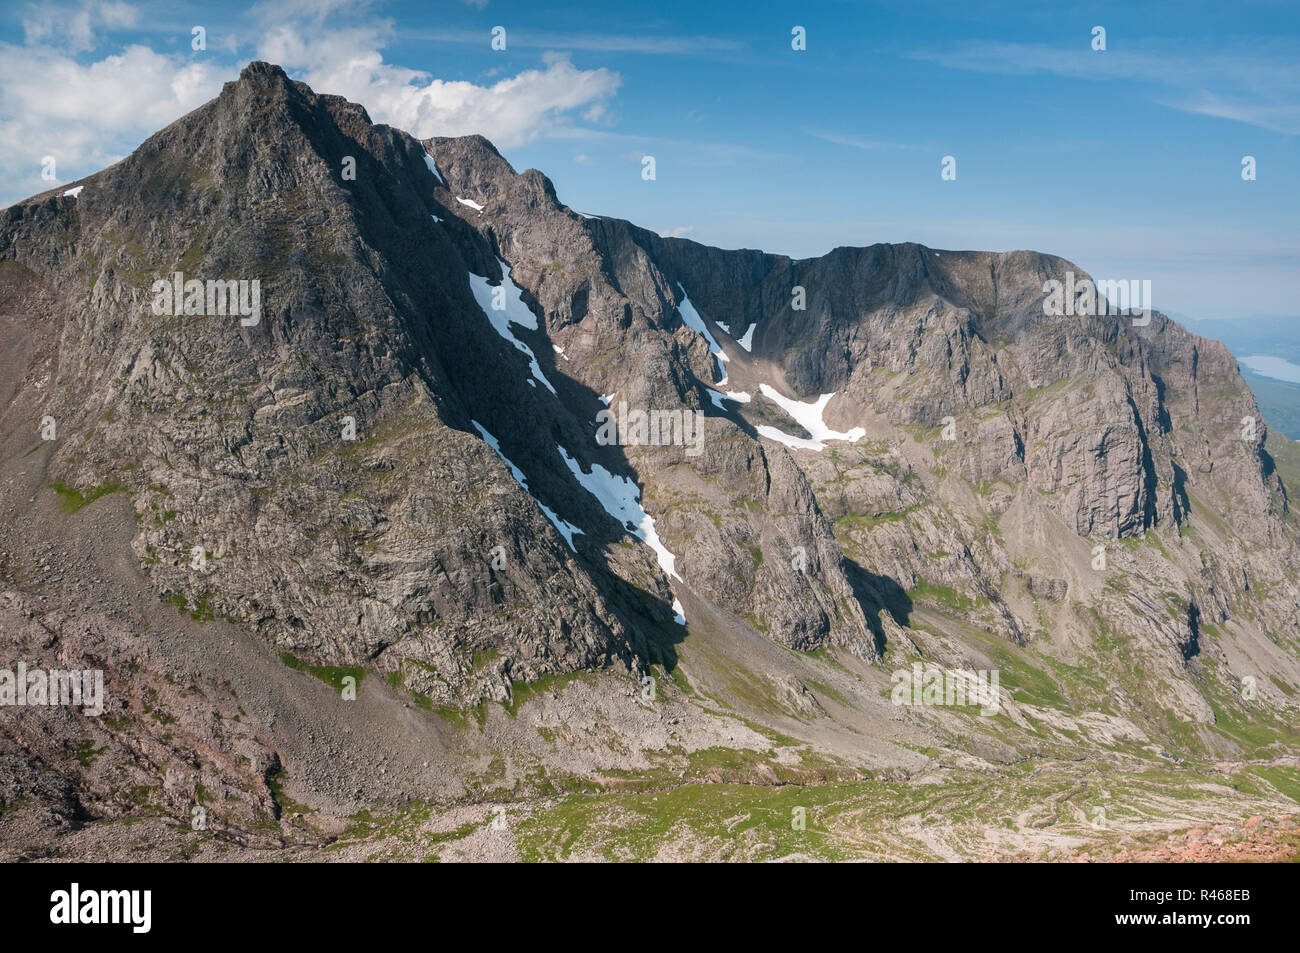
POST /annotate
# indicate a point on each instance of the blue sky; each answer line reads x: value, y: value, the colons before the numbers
x: 1126, y: 161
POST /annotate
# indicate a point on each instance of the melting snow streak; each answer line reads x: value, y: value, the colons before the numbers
x: 739, y: 396
x: 620, y: 498
x: 566, y: 528
x: 747, y: 342
x: 515, y: 312
x: 696, y: 323
x: 428, y: 160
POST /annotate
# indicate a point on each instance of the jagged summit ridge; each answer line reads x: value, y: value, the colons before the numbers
x: 993, y: 450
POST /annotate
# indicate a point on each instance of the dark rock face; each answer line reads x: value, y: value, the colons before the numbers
x: 336, y: 548
x: 326, y: 462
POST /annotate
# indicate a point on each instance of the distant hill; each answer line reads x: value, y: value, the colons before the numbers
x: 1279, y: 401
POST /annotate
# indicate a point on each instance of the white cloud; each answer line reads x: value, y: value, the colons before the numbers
x: 688, y: 45
x: 88, y: 116
x: 118, y: 15
x: 1276, y: 116
x: 855, y: 142
x: 510, y: 112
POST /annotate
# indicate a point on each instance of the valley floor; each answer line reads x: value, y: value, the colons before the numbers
x: 952, y: 820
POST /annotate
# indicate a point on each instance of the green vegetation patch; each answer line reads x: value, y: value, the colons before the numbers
x: 73, y: 499
x: 331, y: 675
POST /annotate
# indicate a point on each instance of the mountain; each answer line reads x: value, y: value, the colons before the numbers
x: 416, y: 578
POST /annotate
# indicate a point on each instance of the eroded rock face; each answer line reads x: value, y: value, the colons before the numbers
x: 327, y: 464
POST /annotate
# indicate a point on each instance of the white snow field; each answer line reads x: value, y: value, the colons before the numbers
x: 696, y: 323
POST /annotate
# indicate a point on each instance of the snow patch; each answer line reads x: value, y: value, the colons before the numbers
x: 470, y: 202
x: 436, y: 219
x: 679, y: 614
x: 428, y: 160
x: 565, y: 528
x: 799, y: 443
x: 560, y: 351
x: 808, y: 416
x: 739, y: 396
x: 73, y: 193
x: 696, y: 323
x: 747, y: 342
x: 516, y: 312
x: 620, y: 498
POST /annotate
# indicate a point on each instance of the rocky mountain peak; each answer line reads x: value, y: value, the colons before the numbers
x: 399, y: 463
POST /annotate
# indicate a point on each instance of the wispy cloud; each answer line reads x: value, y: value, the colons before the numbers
x: 856, y: 142
x: 1257, y: 84
x: 682, y: 45
x: 686, y: 151
x: 1278, y: 117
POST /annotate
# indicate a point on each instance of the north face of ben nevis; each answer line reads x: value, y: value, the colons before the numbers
x: 382, y: 485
